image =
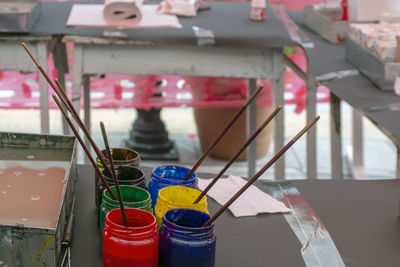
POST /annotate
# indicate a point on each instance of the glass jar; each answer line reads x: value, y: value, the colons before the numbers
x: 184, y: 241
x: 133, y: 197
x: 169, y: 175
x: 121, y: 157
x: 178, y: 197
x: 126, y: 175
x: 135, y: 245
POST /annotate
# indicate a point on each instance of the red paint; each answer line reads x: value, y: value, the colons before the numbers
x: 136, y: 245
x: 345, y: 10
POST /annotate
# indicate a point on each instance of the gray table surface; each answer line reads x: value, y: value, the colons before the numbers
x: 361, y: 217
x: 229, y: 23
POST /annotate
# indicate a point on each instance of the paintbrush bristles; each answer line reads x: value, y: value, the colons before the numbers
x: 238, y: 153
x: 30, y: 54
x: 254, y: 95
x: 270, y: 117
x: 305, y: 129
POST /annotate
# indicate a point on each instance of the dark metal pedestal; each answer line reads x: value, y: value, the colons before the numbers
x: 149, y: 137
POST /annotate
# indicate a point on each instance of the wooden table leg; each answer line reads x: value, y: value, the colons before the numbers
x: 251, y: 127
x: 77, y: 77
x: 60, y: 59
x: 86, y: 92
x: 336, y: 138
x: 41, y: 52
x: 311, y: 101
x: 278, y: 91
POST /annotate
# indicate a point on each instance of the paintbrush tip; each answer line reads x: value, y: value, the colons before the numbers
x: 30, y: 54
x: 260, y: 87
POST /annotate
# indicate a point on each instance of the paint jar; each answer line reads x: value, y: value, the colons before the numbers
x: 135, y: 245
x: 133, y: 197
x: 178, y: 197
x: 121, y: 157
x: 126, y: 175
x: 169, y: 175
x: 184, y: 241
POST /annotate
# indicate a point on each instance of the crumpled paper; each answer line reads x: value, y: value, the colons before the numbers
x: 252, y: 202
x: 185, y: 8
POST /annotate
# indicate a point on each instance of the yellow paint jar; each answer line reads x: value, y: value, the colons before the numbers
x: 173, y: 197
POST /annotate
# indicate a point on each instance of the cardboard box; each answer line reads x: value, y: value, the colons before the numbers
x: 383, y: 74
x: 333, y: 31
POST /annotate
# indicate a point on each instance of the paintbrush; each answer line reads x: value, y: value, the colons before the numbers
x: 254, y: 135
x: 260, y: 172
x: 109, y: 155
x: 83, y: 145
x: 68, y: 104
x: 211, y: 147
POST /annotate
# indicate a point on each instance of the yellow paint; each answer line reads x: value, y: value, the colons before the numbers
x: 45, y: 244
x: 173, y: 197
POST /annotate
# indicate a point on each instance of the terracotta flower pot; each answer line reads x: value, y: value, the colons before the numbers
x: 211, y: 121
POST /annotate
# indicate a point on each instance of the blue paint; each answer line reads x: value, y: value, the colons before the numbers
x: 169, y: 175
x: 183, y: 240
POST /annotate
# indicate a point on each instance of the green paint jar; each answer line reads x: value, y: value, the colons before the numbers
x: 121, y: 157
x: 133, y: 197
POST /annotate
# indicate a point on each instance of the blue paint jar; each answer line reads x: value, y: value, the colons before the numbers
x: 169, y: 175
x: 184, y: 241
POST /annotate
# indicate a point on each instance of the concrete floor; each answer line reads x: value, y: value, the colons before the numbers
x: 379, y: 151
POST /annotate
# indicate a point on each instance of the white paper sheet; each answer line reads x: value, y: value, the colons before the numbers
x: 252, y: 202
x: 91, y: 16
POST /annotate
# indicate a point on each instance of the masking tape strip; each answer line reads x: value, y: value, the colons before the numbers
x: 204, y: 36
x: 332, y: 76
x: 384, y: 107
x: 296, y: 34
x: 318, y: 247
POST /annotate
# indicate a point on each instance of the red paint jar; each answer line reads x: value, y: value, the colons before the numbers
x: 136, y: 245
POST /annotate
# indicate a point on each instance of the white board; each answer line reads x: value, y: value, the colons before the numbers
x: 91, y: 16
x: 371, y: 10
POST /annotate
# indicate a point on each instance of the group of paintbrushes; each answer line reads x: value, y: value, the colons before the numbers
x: 65, y: 102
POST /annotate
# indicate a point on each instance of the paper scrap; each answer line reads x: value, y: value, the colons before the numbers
x: 186, y: 8
x: 252, y: 202
x: 397, y: 86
